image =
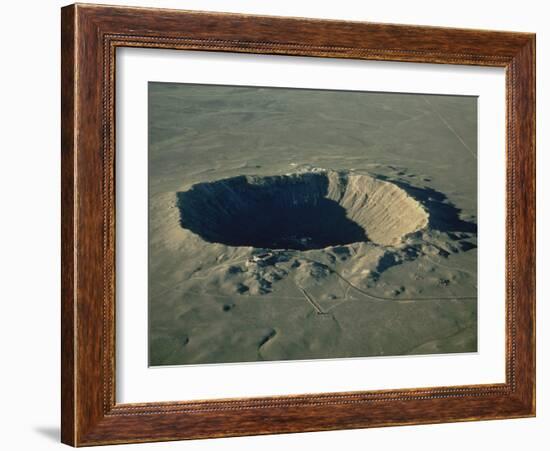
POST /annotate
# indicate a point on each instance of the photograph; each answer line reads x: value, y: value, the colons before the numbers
x: 302, y: 224
x: 275, y: 225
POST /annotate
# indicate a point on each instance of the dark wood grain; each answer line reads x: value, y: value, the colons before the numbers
x: 90, y: 36
x: 68, y: 148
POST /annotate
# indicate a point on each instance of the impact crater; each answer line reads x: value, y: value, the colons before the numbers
x: 302, y: 211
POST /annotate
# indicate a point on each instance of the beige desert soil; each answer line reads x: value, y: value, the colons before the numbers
x: 296, y: 224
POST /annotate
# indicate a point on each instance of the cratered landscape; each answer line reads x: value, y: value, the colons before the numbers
x: 290, y: 224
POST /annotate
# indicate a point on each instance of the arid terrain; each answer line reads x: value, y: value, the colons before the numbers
x: 298, y: 224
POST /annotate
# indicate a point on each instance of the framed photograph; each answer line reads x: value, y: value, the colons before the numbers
x: 278, y: 225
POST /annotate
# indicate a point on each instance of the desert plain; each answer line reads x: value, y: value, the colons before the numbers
x: 294, y: 224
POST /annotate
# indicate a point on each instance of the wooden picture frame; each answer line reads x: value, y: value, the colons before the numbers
x: 90, y: 412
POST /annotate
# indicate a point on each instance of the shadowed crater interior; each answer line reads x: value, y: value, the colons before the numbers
x: 302, y: 211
